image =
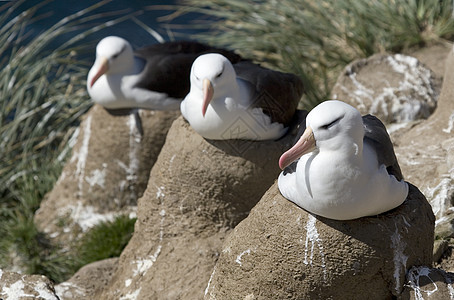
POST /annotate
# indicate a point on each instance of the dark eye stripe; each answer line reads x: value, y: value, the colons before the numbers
x: 331, y: 124
x: 121, y: 50
x: 220, y: 73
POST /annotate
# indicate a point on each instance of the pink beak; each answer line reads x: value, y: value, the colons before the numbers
x: 103, y: 68
x: 208, y: 92
x: 305, y: 144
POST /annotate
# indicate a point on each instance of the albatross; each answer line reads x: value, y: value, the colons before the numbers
x: 239, y: 101
x: 155, y: 77
x: 347, y: 167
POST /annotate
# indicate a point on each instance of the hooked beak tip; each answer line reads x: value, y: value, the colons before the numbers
x: 281, y: 164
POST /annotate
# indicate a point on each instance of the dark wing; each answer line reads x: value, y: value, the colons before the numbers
x: 168, y: 65
x: 377, y: 136
x: 277, y: 93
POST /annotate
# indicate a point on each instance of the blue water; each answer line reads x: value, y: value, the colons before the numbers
x: 129, y: 30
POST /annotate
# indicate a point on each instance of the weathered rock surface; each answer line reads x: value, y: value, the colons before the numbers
x: 433, y: 56
x: 107, y: 172
x: 179, y: 236
x: 429, y: 284
x: 395, y: 88
x: 25, y: 287
x: 88, y: 281
x: 280, y: 251
x: 426, y: 155
x: 424, y: 148
x: 197, y: 192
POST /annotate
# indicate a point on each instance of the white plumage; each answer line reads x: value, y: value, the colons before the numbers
x: 115, y: 79
x: 342, y: 172
x: 223, y: 104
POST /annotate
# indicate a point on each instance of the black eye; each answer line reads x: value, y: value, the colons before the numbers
x: 219, y: 75
x: 115, y: 56
x: 327, y: 126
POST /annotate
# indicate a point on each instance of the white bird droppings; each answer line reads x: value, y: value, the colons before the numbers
x: 238, y: 258
x: 67, y: 290
x: 143, y: 265
x: 450, y: 124
x: 209, y: 284
x: 160, y: 192
x: 313, y: 237
x: 82, y: 155
x: 98, y: 177
x: 128, y: 282
x: 131, y: 296
x: 414, y: 274
x: 400, y: 259
x: 439, y: 196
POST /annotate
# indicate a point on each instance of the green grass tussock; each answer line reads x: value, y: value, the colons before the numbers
x: 42, y: 97
x: 105, y: 240
x: 316, y: 39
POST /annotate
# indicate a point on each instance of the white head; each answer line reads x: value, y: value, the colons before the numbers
x: 331, y: 125
x: 212, y: 74
x: 114, y: 55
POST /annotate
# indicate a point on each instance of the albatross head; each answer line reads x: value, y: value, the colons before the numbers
x: 212, y: 74
x: 332, y: 125
x: 114, y: 55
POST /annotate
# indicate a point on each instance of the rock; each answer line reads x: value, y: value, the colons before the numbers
x: 17, y: 286
x: 429, y: 283
x: 447, y: 259
x: 445, y: 226
x: 88, y: 281
x: 426, y: 154
x: 440, y: 247
x: 197, y: 192
x: 280, y: 251
x: 394, y: 88
x: 433, y: 56
x: 425, y: 148
x: 106, y: 174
